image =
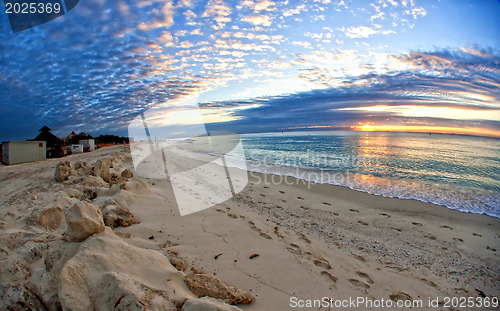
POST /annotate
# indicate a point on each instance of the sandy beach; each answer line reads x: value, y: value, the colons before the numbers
x: 282, y: 241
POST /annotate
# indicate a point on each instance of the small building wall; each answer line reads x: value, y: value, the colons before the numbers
x: 14, y: 152
x: 88, y: 144
x: 77, y: 148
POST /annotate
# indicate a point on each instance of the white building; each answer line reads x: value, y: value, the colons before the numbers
x: 14, y: 152
x: 76, y: 148
x: 88, y: 144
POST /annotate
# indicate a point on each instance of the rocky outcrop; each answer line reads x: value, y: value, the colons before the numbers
x: 63, y: 171
x: 116, y: 216
x: 101, y: 169
x: 114, y: 178
x: 84, y: 219
x: 127, y: 174
x: 206, y: 285
x: 114, y: 275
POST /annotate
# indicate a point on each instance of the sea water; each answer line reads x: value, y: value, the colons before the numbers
x: 459, y: 172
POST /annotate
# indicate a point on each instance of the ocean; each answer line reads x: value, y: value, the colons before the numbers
x: 459, y: 172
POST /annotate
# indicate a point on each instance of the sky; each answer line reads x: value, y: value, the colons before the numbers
x: 255, y: 66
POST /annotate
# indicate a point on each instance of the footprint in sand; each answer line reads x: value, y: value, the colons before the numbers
x: 303, y: 237
x: 400, y: 296
x: 326, y: 203
x: 354, y: 210
x: 358, y: 283
x: 430, y: 237
x: 219, y: 210
x: 278, y: 206
x: 491, y: 249
x: 329, y: 277
x: 300, y: 198
x: 360, y: 258
x: 294, y: 249
x: 458, y: 240
x: 476, y: 234
x: 303, y: 207
x: 447, y: 227
x: 335, y: 213
x: 392, y: 265
x: 323, y: 263
x: 362, y: 223
x: 265, y: 235
x: 266, y: 187
x: 284, y: 201
x: 231, y: 215
x: 365, y: 276
x: 416, y: 224
x: 282, y: 191
x: 262, y: 195
x: 430, y: 283
x: 385, y: 215
x: 397, y: 229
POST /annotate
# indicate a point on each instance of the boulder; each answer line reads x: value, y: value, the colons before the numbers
x: 206, y: 285
x: 115, y: 216
x: 63, y: 171
x: 207, y: 304
x: 114, y: 178
x: 82, y: 168
x: 114, y: 275
x: 84, y: 219
x: 101, y: 169
x: 127, y: 174
x: 80, y: 165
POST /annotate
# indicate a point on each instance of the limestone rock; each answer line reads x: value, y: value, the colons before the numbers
x: 114, y: 178
x: 82, y: 168
x: 114, y: 275
x: 206, y: 285
x: 63, y: 171
x: 101, y: 169
x: 80, y: 165
x: 207, y: 304
x: 115, y: 216
x: 84, y: 219
x: 127, y: 174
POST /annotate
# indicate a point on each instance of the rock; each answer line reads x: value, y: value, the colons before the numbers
x: 17, y: 298
x: 73, y: 193
x: 114, y: 275
x: 127, y: 174
x: 206, y: 285
x: 84, y: 219
x: 114, y: 178
x: 115, y: 216
x: 82, y: 168
x: 63, y: 171
x: 101, y: 169
x: 88, y: 194
x: 52, y: 218
x: 80, y: 165
x: 207, y: 304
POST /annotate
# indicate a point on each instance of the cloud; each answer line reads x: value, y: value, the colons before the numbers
x: 360, y: 32
x: 258, y: 20
x: 467, y: 96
